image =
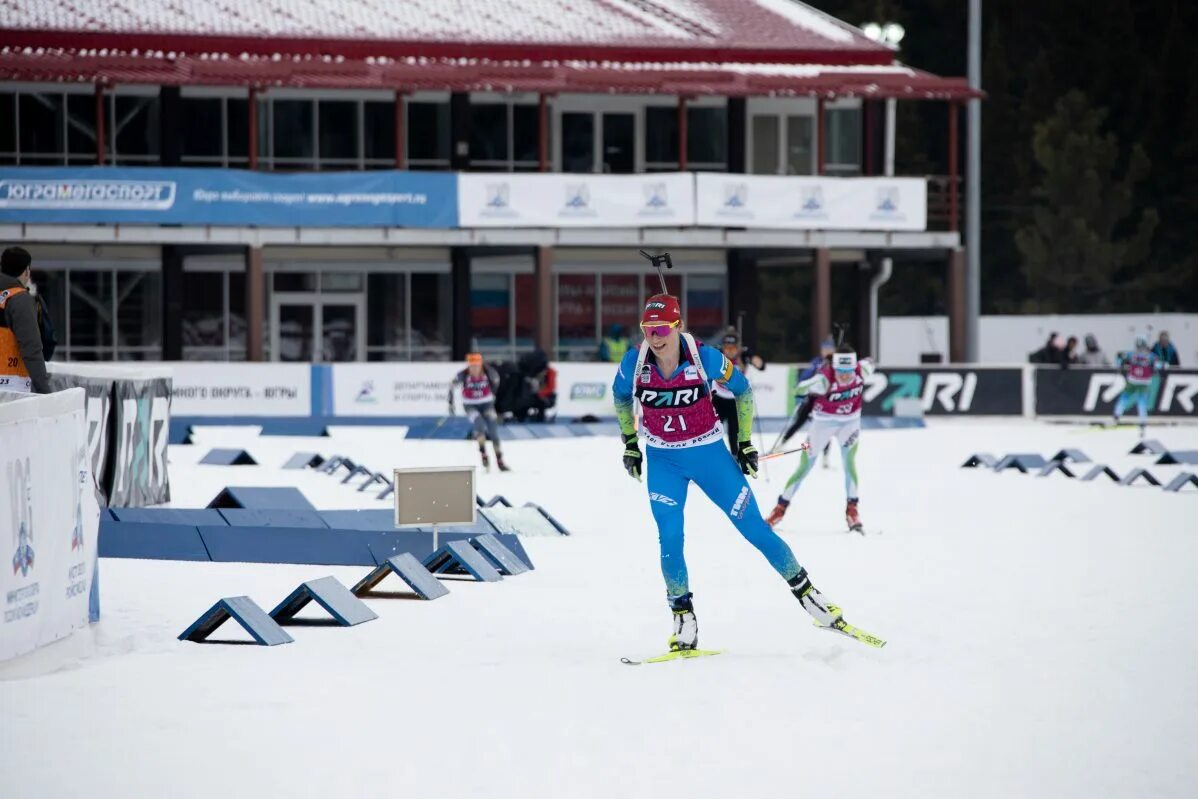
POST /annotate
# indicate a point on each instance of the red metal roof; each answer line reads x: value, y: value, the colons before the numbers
x: 686, y: 47
x: 773, y: 30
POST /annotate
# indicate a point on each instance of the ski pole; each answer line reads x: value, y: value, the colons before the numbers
x: 805, y: 446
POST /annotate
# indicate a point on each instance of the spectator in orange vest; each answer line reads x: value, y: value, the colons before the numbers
x: 22, y: 365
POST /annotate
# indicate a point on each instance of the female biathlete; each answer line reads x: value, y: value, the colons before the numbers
x: 670, y: 375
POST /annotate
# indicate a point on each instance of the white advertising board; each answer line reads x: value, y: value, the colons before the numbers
x: 398, y: 389
x: 573, y: 201
x: 48, y: 523
x: 241, y: 389
x: 800, y: 203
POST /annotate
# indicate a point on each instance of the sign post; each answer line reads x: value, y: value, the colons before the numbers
x: 433, y: 496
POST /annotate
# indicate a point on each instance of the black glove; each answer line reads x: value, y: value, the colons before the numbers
x: 746, y: 456
x: 632, y: 456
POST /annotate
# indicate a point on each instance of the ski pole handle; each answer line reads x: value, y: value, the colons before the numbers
x: 805, y: 445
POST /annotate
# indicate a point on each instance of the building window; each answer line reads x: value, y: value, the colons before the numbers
x: 491, y: 314
x: 133, y: 129
x: 578, y: 142
x: 428, y: 135
x: 707, y: 138
x: 504, y: 136
x: 432, y: 316
x: 589, y: 304
x: 338, y: 126
x: 782, y: 144
x: 842, y: 131
x: 661, y: 138
x: 215, y: 131
x: 292, y: 133
x: 48, y: 128
x: 205, y: 326
x: 378, y: 134
x: 138, y: 316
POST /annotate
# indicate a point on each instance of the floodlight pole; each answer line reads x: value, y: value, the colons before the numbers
x: 973, y: 189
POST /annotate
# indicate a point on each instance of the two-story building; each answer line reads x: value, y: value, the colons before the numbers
x: 585, y: 87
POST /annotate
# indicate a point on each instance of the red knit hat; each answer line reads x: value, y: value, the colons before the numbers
x: 661, y: 309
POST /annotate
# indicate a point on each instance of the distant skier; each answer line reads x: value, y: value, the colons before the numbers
x: 725, y: 402
x: 1138, y: 369
x: 669, y: 374
x: 479, y: 383
x: 807, y: 404
x: 837, y: 390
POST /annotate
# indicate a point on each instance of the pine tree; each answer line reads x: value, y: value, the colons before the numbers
x: 1082, y: 237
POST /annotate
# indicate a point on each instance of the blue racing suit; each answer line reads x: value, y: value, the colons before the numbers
x: 675, y: 460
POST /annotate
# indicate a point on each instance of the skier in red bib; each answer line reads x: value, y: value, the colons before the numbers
x: 479, y: 383
x: 671, y: 376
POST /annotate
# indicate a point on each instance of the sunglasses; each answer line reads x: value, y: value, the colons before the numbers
x: 658, y: 330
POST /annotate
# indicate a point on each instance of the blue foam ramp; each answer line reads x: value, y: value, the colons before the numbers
x: 458, y: 557
x: 1021, y: 461
x: 255, y: 517
x: 151, y: 541
x: 502, y: 558
x: 345, y: 608
x: 303, y: 460
x: 1074, y: 455
x: 245, y: 612
x: 261, y: 498
x: 228, y: 457
x: 191, y: 516
x: 1181, y: 481
x: 1188, y: 456
x: 419, y: 543
x: 290, y: 545
x: 1136, y: 474
x: 408, y: 569
x: 371, y: 519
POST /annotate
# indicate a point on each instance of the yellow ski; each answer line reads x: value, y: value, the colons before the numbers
x: 678, y: 654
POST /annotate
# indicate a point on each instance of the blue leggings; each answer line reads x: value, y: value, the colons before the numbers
x: 717, y: 474
x: 1136, y: 394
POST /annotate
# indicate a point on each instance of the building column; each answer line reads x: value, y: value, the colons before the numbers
x: 546, y: 334
x: 861, y: 333
x: 737, y: 135
x: 459, y: 132
x: 459, y: 267
x: 255, y: 304
x: 682, y: 134
x: 542, y: 133
x: 743, y: 296
x: 821, y: 296
x: 101, y: 144
x: 821, y: 152
x: 172, y: 302
x: 401, y: 132
x: 954, y: 300
x: 953, y: 218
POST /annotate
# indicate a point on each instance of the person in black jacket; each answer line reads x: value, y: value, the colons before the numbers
x: 22, y: 362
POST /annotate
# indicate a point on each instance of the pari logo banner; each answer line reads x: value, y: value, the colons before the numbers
x: 944, y: 392
x: 151, y: 195
x: 557, y: 201
x: 800, y: 203
x: 1085, y: 392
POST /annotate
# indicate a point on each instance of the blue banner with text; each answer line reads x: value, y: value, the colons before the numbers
x: 181, y: 196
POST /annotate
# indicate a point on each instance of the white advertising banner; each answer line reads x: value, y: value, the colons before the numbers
x: 571, y: 201
x: 49, y: 520
x: 241, y: 389
x: 400, y: 389
x: 771, y: 389
x: 584, y: 389
x: 801, y: 203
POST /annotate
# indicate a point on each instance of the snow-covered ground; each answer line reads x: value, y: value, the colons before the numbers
x: 1040, y: 635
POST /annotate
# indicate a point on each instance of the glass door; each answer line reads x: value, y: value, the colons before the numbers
x: 311, y: 328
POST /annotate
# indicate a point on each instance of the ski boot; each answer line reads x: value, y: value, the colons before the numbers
x: 778, y: 512
x: 824, y: 612
x: 503, y: 467
x: 686, y: 626
x: 851, y: 518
